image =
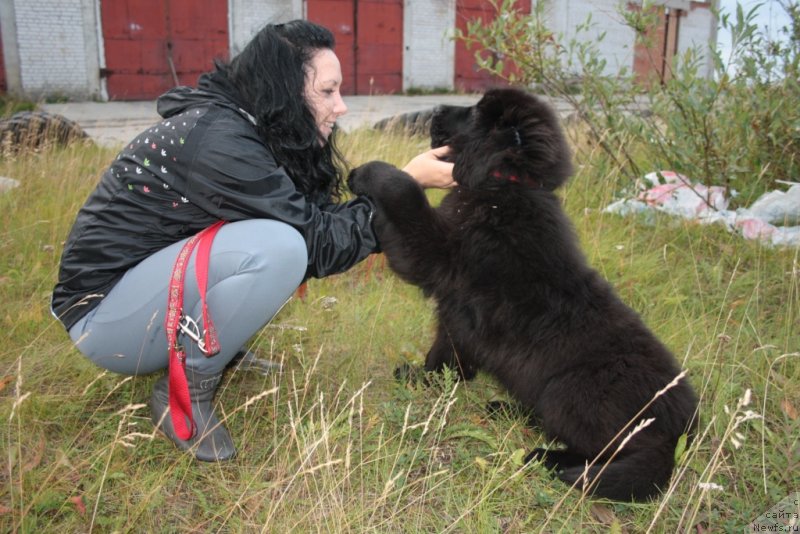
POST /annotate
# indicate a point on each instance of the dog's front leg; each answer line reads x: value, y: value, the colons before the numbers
x: 442, y: 355
x: 397, y: 195
x: 411, y: 233
x: 447, y: 352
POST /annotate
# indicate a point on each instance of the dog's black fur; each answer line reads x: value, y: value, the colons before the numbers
x: 517, y: 299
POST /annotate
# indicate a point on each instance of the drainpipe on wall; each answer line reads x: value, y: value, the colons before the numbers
x: 713, y: 36
x: 101, y: 53
x: 8, y: 28
x: 93, y: 48
x: 355, y: 48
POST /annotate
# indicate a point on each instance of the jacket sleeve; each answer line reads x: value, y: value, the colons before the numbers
x: 233, y: 176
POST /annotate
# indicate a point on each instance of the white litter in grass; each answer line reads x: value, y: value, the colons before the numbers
x: 7, y: 184
x: 774, y: 218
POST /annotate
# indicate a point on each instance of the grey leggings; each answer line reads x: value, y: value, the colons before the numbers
x: 254, y: 268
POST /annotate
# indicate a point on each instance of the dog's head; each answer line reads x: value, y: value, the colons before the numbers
x: 509, y: 136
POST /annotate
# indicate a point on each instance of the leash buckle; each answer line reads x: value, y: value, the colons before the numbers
x: 191, y: 329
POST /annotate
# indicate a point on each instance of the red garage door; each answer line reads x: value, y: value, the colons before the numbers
x: 369, y: 42
x: 154, y: 45
x: 468, y: 77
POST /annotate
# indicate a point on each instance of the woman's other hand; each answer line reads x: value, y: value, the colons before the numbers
x: 429, y: 170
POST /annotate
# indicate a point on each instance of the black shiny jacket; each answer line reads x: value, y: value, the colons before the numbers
x: 203, y: 162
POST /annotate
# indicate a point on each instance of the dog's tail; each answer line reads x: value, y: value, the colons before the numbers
x: 639, y: 474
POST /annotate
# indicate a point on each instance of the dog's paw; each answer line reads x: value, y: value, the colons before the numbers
x: 510, y: 410
x: 539, y: 455
x: 543, y: 457
x: 409, y: 374
x: 364, y: 179
x: 499, y: 409
x: 357, y: 180
x: 546, y: 458
x: 557, y: 460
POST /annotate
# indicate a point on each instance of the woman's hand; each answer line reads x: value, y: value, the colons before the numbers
x: 430, y: 171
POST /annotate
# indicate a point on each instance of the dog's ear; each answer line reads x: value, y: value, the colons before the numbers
x: 533, y: 142
x: 517, y: 136
x: 447, y: 121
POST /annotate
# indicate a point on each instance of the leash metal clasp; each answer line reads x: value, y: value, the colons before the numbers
x: 191, y: 329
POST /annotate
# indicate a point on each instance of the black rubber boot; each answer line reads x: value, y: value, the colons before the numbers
x: 246, y: 360
x: 212, y: 442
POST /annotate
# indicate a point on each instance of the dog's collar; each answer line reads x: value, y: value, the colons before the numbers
x: 517, y: 179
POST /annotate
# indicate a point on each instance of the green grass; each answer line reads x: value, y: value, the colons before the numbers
x: 334, y: 444
x: 10, y: 105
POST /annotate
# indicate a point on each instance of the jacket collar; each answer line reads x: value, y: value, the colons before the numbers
x: 213, y: 88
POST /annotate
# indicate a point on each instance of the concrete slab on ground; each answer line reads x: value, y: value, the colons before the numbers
x: 115, y: 123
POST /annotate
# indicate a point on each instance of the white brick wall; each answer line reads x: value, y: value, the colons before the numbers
x: 428, y: 51
x: 249, y: 16
x: 564, y: 16
x: 53, y: 48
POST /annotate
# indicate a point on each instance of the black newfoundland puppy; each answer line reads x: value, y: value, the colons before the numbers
x: 517, y: 299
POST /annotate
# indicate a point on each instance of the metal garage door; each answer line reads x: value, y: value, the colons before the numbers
x: 369, y: 42
x: 153, y: 45
x: 654, y: 55
x: 468, y: 77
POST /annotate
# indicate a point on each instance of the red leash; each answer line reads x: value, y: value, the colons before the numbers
x: 180, y: 403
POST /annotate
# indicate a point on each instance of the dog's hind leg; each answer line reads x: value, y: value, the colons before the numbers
x: 638, y: 475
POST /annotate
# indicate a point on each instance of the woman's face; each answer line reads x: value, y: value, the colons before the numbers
x: 323, y: 82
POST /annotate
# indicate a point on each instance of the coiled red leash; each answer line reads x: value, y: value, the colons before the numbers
x: 180, y: 403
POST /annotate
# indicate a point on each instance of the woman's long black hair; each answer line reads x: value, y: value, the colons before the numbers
x: 270, y: 75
